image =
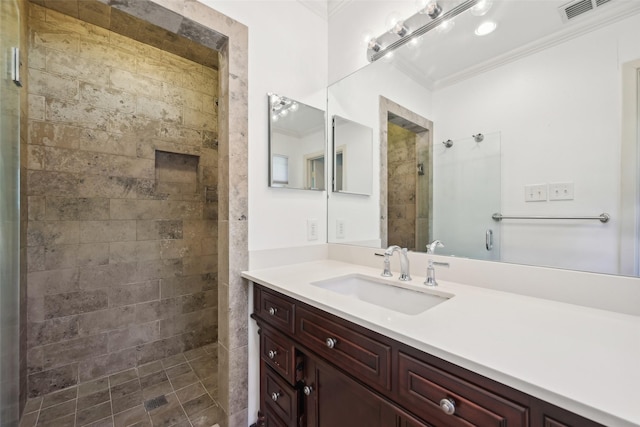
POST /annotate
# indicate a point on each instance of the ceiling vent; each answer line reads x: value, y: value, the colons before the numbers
x: 579, y: 7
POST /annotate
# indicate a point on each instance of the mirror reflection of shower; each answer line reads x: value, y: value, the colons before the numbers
x: 408, y: 194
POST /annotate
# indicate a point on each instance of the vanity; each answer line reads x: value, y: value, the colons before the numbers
x: 480, y: 357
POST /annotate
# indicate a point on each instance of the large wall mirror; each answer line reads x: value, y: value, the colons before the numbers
x: 537, y: 121
x: 296, y: 144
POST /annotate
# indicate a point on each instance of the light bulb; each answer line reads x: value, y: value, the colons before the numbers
x: 374, y: 45
x: 294, y: 106
x: 432, y: 9
x: 275, y: 117
x: 485, y: 28
x: 400, y: 29
x: 481, y: 8
x: 284, y: 113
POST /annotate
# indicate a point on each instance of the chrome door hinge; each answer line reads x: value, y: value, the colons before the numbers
x: 15, y: 66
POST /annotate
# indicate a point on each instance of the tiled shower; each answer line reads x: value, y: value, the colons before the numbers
x: 122, y: 215
x: 120, y: 163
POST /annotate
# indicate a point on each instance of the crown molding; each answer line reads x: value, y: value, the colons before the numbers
x: 324, y: 8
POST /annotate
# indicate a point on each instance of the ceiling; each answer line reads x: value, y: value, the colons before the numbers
x: 324, y: 8
x: 524, y: 26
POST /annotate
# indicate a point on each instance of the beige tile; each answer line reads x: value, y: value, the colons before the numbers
x: 156, y: 390
x: 184, y: 380
x: 93, y: 414
x: 130, y: 417
x: 59, y: 397
x: 190, y: 392
x: 29, y: 419
x: 149, y: 368
x: 92, y: 387
x: 123, y: 377
x: 171, y: 361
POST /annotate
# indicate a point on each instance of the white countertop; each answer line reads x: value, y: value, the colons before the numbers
x: 582, y: 359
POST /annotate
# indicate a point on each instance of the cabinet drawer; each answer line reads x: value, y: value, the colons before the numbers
x: 275, y: 309
x: 279, y: 353
x: 283, y: 399
x: 271, y: 419
x: 363, y: 356
x: 422, y: 386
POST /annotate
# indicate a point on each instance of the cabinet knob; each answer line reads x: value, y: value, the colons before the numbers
x: 275, y: 396
x: 273, y: 311
x: 331, y: 342
x: 272, y: 354
x: 307, y: 390
x: 448, y: 406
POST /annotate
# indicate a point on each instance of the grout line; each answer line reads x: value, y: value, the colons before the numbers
x: 113, y: 417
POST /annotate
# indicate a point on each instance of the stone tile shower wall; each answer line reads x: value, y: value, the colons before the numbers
x: 122, y: 191
x: 401, y: 158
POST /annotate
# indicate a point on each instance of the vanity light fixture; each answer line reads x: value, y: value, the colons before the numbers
x: 281, y: 106
x: 414, y: 26
x: 485, y: 28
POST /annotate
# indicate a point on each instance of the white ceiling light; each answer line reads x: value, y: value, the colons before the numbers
x: 485, y: 28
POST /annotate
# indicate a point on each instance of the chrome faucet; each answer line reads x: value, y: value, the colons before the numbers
x: 405, y: 275
x: 431, y: 247
x: 431, y: 274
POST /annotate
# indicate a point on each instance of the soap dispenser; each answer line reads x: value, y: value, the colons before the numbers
x: 431, y: 275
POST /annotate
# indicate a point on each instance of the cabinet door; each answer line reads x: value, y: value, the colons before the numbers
x: 336, y: 400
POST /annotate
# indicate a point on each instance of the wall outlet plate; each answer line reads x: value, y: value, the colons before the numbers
x: 340, y: 229
x: 312, y: 229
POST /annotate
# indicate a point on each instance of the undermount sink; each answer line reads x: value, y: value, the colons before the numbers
x: 384, y: 293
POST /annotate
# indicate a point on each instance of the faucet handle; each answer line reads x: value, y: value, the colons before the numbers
x: 391, y: 249
x: 387, y: 265
x: 431, y: 247
x: 431, y: 275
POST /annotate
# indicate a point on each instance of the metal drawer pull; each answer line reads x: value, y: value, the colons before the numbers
x: 331, y: 342
x: 448, y: 406
x: 273, y: 311
x: 272, y: 354
x: 275, y: 396
x: 307, y: 390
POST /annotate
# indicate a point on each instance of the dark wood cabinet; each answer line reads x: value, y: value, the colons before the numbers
x: 331, y: 389
x: 319, y: 370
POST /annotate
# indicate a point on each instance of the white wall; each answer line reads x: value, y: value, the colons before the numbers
x: 553, y: 130
x: 288, y: 56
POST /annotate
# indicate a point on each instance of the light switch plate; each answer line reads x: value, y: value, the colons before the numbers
x: 535, y: 193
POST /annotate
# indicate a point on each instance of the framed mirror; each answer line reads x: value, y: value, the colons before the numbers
x: 296, y: 144
x: 352, y: 150
x: 556, y: 99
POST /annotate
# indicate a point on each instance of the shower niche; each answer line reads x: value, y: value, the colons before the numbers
x: 177, y: 173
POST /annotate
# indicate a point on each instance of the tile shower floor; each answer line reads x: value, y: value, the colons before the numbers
x: 179, y: 391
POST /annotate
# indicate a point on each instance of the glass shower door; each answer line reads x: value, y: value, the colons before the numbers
x: 9, y: 217
x: 466, y: 193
